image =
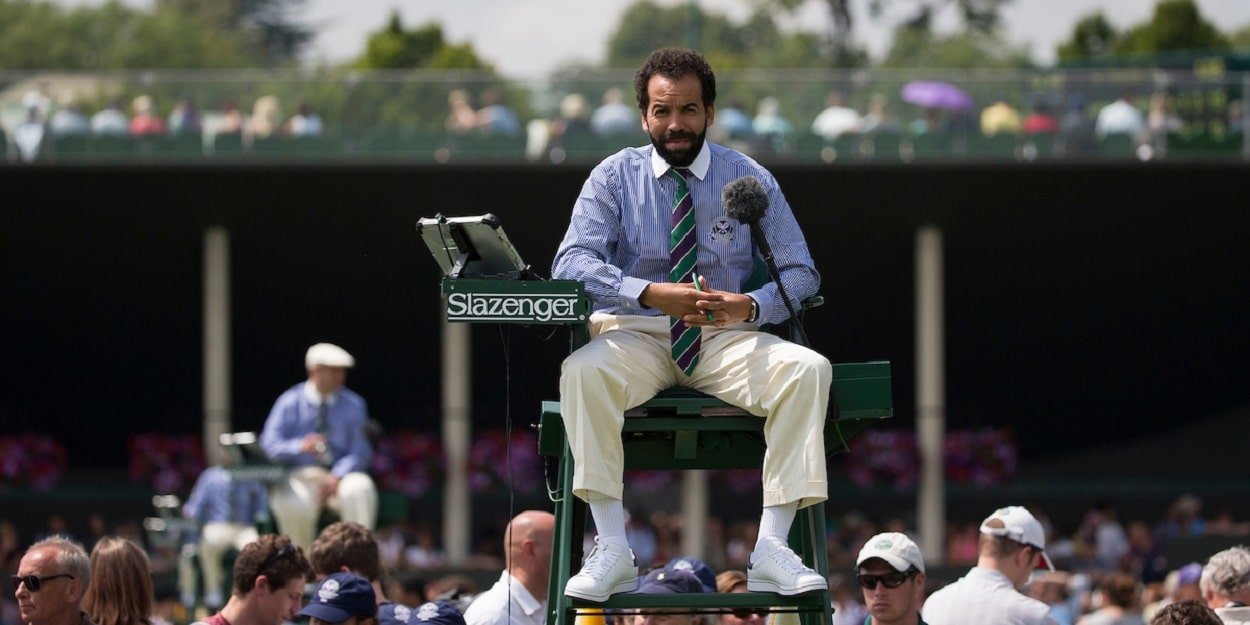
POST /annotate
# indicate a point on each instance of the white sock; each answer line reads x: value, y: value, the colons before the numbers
x: 609, y: 516
x: 775, y: 522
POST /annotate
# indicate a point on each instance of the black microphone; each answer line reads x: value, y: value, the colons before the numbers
x: 746, y: 200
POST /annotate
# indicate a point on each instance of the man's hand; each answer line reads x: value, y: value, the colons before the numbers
x: 693, y: 306
x: 313, y: 443
x: 329, y: 487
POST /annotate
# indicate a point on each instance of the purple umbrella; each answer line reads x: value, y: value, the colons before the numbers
x: 938, y: 95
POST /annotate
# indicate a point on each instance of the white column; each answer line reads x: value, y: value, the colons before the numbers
x: 216, y: 339
x: 457, y: 389
x: 694, y: 513
x: 930, y: 392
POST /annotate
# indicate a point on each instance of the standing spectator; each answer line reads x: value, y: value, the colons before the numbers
x: 1117, y: 596
x: 269, y: 578
x: 110, y: 121
x: 1225, y: 584
x: 614, y: 117
x: 836, y: 119
x: 1012, y: 541
x: 51, y: 580
x: 145, y: 122
x: 890, y: 570
x: 1120, y: 118
x: 120, y: 592
x: 225, y: 511
x: 1190, y: 612
x: 519, y: 597
x: 317, y: 429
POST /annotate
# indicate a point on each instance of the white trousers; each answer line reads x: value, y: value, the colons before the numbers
x: 296, y: 504
x: 215, y: 538
x: 628, y: 361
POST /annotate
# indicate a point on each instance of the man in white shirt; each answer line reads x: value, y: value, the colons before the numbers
x: 1120, y: 118
x: 1225, y: 585
x: 1012, y: 542
x: 890, y: 570
x: 520, y: 595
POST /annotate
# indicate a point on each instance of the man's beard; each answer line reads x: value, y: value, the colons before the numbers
x: 681, y: 158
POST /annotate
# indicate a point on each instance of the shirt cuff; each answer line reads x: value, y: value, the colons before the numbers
x: 631, y: 290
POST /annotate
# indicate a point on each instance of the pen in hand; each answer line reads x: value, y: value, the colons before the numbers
x: 699, y: 286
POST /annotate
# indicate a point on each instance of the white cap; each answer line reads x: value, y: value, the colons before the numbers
x: 328, y: 355
x: 896, y: 549
x: 1018, y: 524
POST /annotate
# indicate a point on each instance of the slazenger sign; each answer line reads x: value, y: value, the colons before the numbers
x: 540, y: 307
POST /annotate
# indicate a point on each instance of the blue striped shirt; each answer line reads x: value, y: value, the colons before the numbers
x: 617, y: 241
x: 294, y: 416
x: 219, y: 498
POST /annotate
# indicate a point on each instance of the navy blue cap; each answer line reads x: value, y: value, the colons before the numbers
x: 666, y: 582
x: 694, y: 565
x: 341, y: 596
x: 430, y: 613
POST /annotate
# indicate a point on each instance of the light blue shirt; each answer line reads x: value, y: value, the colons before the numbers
x: 294, y: 416
x: 617, y: 241
x: 219, y: 498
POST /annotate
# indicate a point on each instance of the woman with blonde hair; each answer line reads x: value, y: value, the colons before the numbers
x: 120, y: 591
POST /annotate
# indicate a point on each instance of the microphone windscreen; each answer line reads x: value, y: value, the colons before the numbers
x: 745, y: 199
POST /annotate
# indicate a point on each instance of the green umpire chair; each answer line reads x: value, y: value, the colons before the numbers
x: 684, y: 429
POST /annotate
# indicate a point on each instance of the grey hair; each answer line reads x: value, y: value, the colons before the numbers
x: 1227, y: 572
x: 70, y: 556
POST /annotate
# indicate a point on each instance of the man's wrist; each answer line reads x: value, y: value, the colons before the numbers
x: 754, y: 315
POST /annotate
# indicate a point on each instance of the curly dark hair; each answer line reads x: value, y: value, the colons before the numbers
x: 1191, y: 612
x: 674, y: 63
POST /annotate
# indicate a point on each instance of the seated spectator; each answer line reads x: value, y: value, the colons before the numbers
x: 1184, y: 518
x: 120, y: 590
x: 1117, y: 594
x: 111, y: 121
x: 1120, y: 118
x: 145, y: 122
x: 304, y: 123
x: 340, y: 598
x: 573, y: 124
x: 266, y: 120
x: 769, y: 124
x: 1000, y: 117
x: 39, y: 99
x: 1051, y: 588
x: 878, y: 119
x: 1187, y: 613
x: 929, y: 122
x: 1236, y: 118
x: 1040, y: 120
x: 1161, y: 120
x: 496, y: 118
x: 185, y: 118
x: 29, y: 136
x: 836, y: 119
x: 1225, y: 584
x: 69, y: 121
x: 733, y: 582
x: 614, y: 117
x: 461, y: 117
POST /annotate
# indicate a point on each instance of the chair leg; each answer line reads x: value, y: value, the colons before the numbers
x: 807, y: 537
x: 566, y: 552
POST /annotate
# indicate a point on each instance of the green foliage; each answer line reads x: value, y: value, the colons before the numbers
x: 1176, y: 25
x: 919, y: 48
x: 396, y: 48
x: 1240, y: 38
x: 1092, y: 37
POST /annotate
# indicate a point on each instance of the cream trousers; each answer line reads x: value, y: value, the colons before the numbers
x: 628, y: 361
x: 296, y: 503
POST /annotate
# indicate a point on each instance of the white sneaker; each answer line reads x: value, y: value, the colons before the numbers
x: 608, y: 569
x: 780, y: 570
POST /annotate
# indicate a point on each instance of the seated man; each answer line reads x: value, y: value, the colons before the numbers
x: 225, y: 511
x: 318, y: 429
x: 646, y: 220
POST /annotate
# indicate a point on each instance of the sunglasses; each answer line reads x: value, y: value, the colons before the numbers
x: 285, y: 551
x: 34, y: 582
x: 890, y: 580
x: 744, y: 613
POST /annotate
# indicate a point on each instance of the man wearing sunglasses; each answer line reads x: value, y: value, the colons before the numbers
x: 50, y: 582
x: 1012, y: 545
x: 269, y: 578
x: 890, y: 570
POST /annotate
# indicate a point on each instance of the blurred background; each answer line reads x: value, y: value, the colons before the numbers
x: 1082, y: 161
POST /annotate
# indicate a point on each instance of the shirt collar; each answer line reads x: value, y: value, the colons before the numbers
x: 314, y: 398
x: 699, y: 167
x: 528, y: 604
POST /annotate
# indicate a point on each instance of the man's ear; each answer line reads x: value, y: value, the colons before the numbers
x: 261, y: 583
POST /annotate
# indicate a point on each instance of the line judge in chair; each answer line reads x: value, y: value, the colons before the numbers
x: 648, y: 223
x: 317, y: 429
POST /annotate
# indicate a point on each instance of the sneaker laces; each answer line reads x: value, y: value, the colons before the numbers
x: 600, y: 561
x: 789, y: 561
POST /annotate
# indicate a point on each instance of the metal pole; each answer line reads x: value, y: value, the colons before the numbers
x: 930, y: 392
x: 457, y: 388
x: 694, y: 512
x: 216, y: 339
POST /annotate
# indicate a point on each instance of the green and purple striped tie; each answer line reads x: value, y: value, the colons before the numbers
x: 683, y: 253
